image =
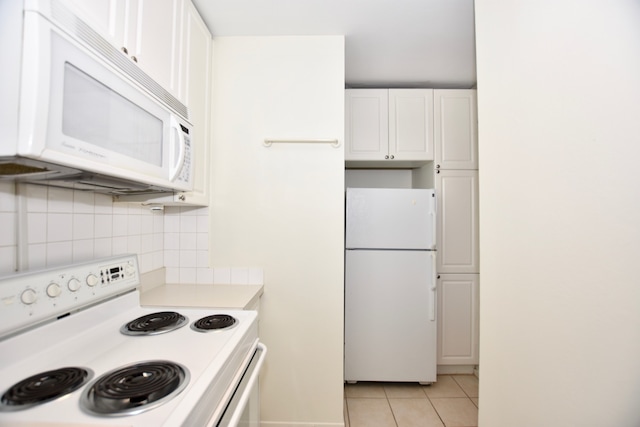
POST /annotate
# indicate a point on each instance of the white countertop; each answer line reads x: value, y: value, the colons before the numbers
x: 243, y: 297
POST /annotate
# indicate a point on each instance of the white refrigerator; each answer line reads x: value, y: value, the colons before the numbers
x: 390, y: 288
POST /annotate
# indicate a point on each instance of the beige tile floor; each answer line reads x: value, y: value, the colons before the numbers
x: 450, y: 402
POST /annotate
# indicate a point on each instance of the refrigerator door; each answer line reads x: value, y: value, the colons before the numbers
x: 390, y: 316
x: 390, y: 218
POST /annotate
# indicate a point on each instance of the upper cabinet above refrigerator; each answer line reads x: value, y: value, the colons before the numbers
x: 388, y: 128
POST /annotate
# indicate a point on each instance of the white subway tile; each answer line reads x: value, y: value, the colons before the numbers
x: 202, y: 259
x: 7, y: 197
x: 134, y: 244
x: 158, y: 259
x: 120, y: 224
x: 7, y: 228
x: 187, y: 275
x: 202, y: 224
x: 146, y: 224
x: 103, y: 225
x: 171, y: 224
x: 83, y: 202
x: 172, y: 241
x: 36, y: 228
x: 172, y: 258
x: 222, y: 276
x: 158, y: 241
x: 146, y: 262
x: 103, y: 204
x: 59, y: 228
x: 59, y: 253
x: 83, y: 250
x: 36, y: 197
x: 60, y: 200
x: 119, y: 245
x: 83, y: 226
x: 188, y: 259
x: 146, y: 242
x: 7, y: 260
x: 120, y: 208
x: 134, y: 224
x: 188, y: 224
x: 239, y: 276
x: 37, y: 256
x: 158, y: 223
x: 188, y: 241
x: 172, y: 275
x: 102, y: 247
x: 202, y: 241
x: 204, y: 276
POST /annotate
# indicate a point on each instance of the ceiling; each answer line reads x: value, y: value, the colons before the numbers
x: 389, y: 43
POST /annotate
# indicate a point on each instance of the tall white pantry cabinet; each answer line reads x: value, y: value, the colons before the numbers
x: 456, y: 184
x: 446, y: 128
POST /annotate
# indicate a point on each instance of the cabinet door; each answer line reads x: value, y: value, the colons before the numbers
x: 457, y: 221
x: 154, y: 39
x: 456, y: 131
x: 107, y: 17
x: 197, y: 62
x: 458, y: 319
x: 366, y: 124
x: 411, y: 124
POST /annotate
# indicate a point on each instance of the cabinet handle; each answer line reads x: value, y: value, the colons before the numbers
x: 386, y: 157
x: 134, y: 59
x: 392, y: 157
x: 124, y: 50
x: 437, y: 166
x: 438, y: 171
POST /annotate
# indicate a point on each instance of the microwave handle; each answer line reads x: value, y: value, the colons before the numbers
x: 178, y: 147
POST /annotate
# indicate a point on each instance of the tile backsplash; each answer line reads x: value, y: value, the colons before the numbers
x: 48, y: 226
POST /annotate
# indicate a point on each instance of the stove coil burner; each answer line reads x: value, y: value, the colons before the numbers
x: 214, y: 322
x: 44, y: 387
x: 135, y: 388
x: 155, y: 323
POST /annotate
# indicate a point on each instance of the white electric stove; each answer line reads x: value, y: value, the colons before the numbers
x: 76, y: 348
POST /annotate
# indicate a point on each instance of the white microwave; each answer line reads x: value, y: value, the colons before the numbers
x: 78, y: 113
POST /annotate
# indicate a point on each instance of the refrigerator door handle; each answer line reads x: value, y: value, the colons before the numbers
x: 432, y: 312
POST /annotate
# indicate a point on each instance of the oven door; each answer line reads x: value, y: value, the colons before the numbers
x: 243, y: 409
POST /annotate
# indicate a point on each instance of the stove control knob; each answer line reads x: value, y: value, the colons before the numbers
x: 92, y: 280
x: 28, y: 297
x: 53, y: 290
x: 73, y: 285
x: 129, y: 270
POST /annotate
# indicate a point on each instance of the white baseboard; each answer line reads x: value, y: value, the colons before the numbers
x: 455, y: 369
x: 295, y: 424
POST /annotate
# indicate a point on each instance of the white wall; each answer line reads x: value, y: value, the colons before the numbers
x: 282, y: 208
x: 559, y: 122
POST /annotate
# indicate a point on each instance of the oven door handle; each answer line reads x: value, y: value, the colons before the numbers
x: 249, y: 383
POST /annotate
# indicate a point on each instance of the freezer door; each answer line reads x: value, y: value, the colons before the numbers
x: 390, y: 317
x: 390, y: 218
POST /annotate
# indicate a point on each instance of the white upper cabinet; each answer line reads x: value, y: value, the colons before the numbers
x: 388, y: 127
x: 366, y: 124
x: 148, y: 32
x: 411, y: 124
x: 456, y: 130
